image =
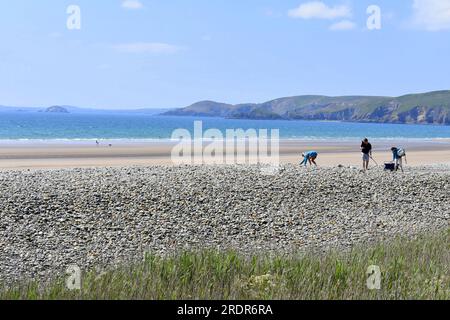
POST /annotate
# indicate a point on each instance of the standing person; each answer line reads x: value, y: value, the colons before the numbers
x: 366, y: 149
x: 397, y: 157
x: 310, y: 157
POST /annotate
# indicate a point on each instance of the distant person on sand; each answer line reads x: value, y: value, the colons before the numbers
x: 366, y: 149
x: 310, y: 157
x: 97, y: 143
x: 397, y: 156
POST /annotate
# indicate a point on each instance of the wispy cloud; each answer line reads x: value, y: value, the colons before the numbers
x: 319, y: 10
x: 432, y: 15
x: 132, y: 4
x: 147, y: 47
x: 343, y: 25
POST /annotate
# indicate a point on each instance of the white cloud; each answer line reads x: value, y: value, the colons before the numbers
x: 147, y: 47
x: 132, y: 4
x: 319, y: 10
x: 432, y: 15
x: 343, y: 25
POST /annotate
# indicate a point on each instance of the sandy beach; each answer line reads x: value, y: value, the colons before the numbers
x: 58, y: 155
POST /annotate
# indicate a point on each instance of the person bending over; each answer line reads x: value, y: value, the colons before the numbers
x: 397, y: 156
x: 310, y: 157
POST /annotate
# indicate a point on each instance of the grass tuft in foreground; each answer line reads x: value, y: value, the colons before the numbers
x: 416, y: 269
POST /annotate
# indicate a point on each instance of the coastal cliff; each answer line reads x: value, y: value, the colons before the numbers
x: 427, y: 108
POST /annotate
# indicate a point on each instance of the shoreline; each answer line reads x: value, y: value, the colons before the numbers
x: 128, y: 141
x: 58, y: 154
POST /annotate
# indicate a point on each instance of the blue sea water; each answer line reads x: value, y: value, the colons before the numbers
x: 124, y: 126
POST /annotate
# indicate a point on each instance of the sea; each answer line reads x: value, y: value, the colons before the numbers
x: 32, y: 127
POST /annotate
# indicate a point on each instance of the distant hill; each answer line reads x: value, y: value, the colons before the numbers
x: 426, y: 108
x: 56, y: 109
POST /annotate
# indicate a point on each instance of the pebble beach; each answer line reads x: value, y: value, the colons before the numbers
x: 102, y: 217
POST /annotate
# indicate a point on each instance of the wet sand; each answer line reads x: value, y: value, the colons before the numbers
x: 58, y: 155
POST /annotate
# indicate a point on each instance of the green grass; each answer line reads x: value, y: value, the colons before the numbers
x: 430, y: 99
x: 416, y: 269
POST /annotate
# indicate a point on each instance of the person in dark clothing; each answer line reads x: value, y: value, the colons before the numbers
x: 366, y: 149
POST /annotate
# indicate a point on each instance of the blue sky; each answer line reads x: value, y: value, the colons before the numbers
x: 156, y: 53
